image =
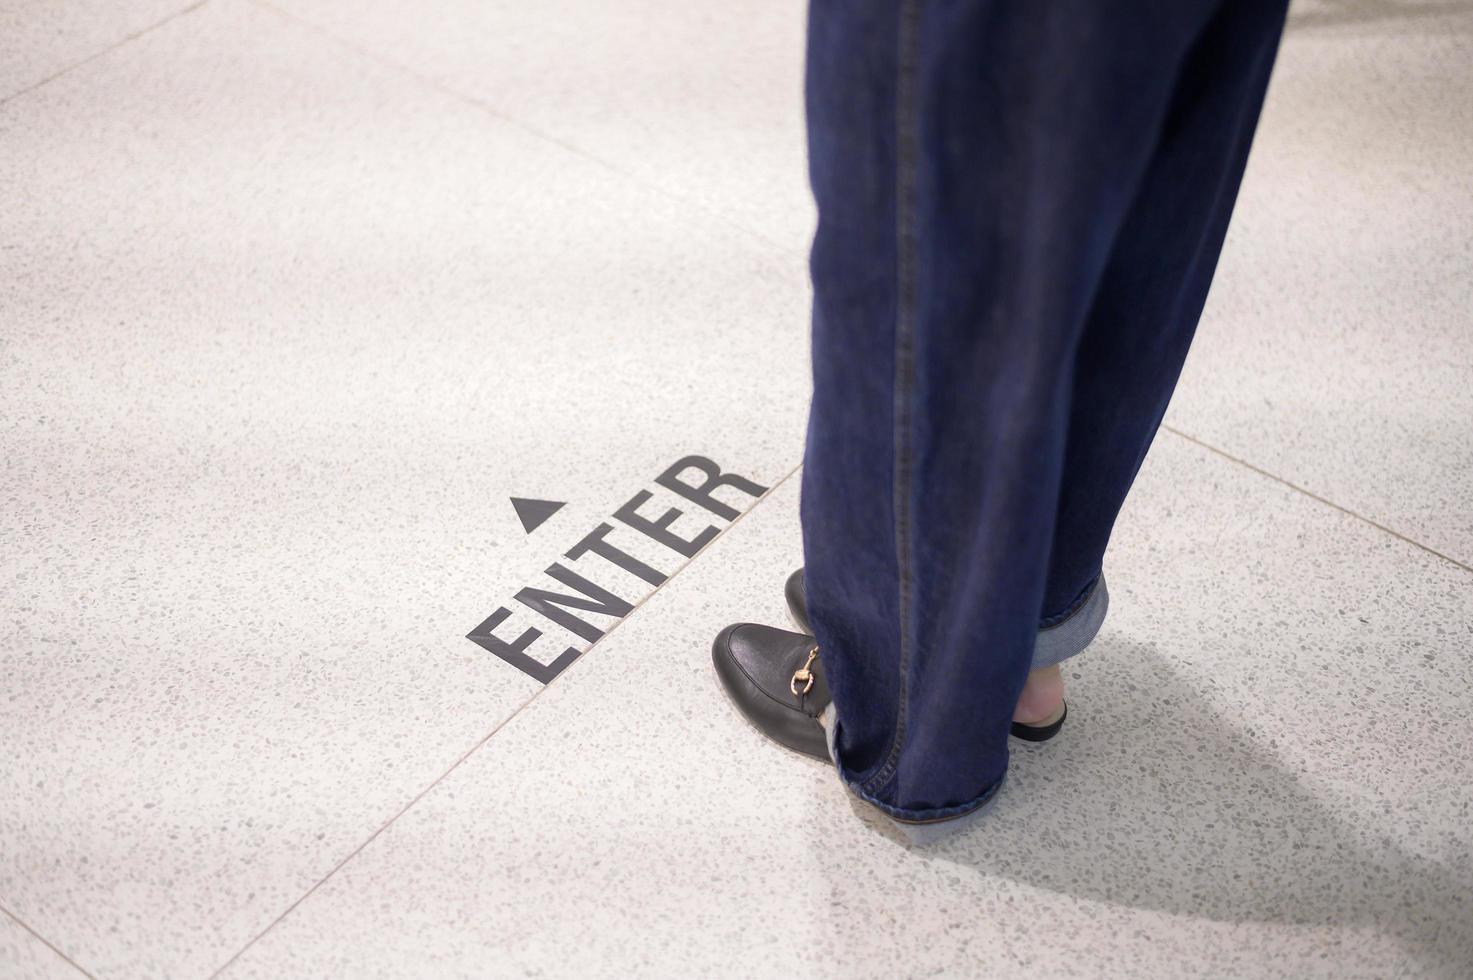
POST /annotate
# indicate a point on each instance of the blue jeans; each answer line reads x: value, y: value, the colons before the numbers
x: 1021, y: 205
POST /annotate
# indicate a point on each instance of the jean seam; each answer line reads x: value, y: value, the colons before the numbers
x: 906, y: 125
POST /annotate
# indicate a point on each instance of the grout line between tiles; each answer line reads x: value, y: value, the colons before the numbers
x: 526, y: 127
x: 1316, y: 497
x: 489, y: 735
x: 520, y: 708
x: 98, y: 54
x: 523, y: 706
x: 43, y: 940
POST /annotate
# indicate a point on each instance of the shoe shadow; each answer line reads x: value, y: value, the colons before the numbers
x: 1150, y: 799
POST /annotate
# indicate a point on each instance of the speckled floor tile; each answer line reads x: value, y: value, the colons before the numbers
x: 24, y: 957
x: 703, y: 100
x: 39, y: 38
x: 284, y: 330
x: 1336, y: 347
x: 1267, y: 772
x: 294, y: 299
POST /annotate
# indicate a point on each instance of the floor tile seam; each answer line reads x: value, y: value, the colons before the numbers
x: 503, y: 723
x: 126, y: 39
x: 785, y: 252
x: 5, y: 911
x: 1318, y: 498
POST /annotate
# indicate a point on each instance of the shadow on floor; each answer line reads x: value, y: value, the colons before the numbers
x: 1154, y: 801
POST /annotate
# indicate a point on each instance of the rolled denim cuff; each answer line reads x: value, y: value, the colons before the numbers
x: 1062, y: 640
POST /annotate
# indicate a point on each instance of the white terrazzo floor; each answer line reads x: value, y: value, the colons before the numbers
x: 294, y: 295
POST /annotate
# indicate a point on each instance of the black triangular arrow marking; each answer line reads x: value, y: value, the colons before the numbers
x: 534, y: 512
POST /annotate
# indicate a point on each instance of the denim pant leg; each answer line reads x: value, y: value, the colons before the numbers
x: 1148, y: 301
x: 974, y: 164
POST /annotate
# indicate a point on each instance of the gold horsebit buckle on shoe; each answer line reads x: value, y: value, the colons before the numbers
x: 803, y: 675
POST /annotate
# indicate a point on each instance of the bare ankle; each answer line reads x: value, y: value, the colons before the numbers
x: 1042, y: 699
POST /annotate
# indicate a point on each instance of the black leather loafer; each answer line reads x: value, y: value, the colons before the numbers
x: 797, y: 597
x: 775, y: 679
